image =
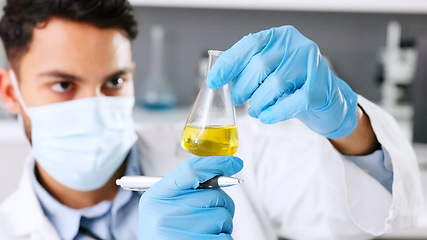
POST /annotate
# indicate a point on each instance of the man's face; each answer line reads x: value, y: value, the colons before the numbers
x: 70, y: 60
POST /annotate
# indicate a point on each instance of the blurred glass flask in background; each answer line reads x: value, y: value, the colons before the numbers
x: 156, y: 91
x: 211, y: 126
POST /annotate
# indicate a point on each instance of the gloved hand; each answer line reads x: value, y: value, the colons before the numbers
x: 283, y: 75
x: 174, y: 209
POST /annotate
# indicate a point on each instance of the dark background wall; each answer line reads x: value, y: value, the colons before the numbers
x: 350, y: 40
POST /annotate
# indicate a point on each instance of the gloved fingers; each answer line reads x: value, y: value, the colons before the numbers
x: 198, y: 170
x: 208, y: 198
x: 190, y: 173
x: 197, y: 198
x: 275, y: 71
x: 254, y: 74
x: 248, y: 80
x: 221, y: 236
x: 182, y: 235
x: 234, y: 60
x: 194, y: 214
x: 203, y: 221
x: 285, y: 108
x: 273, y: 88
x: 176, y: 234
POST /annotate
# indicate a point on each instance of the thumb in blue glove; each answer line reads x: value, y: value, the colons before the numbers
x: 174, y: 209
x: 283, y: 75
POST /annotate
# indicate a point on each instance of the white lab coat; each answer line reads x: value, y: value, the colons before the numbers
x: 296, y: 184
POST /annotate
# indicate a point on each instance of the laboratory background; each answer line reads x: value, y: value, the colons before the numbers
x: 378, y: 47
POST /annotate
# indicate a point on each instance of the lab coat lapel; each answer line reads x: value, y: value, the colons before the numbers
x: 25, y: 214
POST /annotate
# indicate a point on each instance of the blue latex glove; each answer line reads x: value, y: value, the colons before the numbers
x: 283, y: 75
x: 174, y: 209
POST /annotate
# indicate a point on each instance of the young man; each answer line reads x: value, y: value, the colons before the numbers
x: 340, y: 170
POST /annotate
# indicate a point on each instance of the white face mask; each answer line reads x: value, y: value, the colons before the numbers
x: 81, y: 143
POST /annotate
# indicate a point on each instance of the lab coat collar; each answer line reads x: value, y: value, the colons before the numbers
x: 26, y: 215
x: 67, y: 220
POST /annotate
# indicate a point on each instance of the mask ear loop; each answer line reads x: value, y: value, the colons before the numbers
x: 20, y: 100
x: 17, y: 91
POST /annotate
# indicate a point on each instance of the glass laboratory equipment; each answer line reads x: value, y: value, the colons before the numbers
x: 211, y: 126
x: 156, y: 91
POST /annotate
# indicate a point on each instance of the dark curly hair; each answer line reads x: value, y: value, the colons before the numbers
x: 22, y: 16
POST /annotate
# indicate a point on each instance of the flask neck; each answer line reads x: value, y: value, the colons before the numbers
x: 213, y: 56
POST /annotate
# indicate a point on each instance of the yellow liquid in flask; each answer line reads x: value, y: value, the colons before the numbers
x: 210, y: 140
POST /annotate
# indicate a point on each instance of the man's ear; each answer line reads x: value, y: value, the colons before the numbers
x: 7, y: 93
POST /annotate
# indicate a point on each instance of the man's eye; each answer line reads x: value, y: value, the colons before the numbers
x: 114, y: 83
x: 61, y: 86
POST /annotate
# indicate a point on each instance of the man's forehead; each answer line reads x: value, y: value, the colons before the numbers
x: 73, y: 46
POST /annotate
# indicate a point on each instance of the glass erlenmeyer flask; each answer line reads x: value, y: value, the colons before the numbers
x: 156, y: 91
x: 211, y: 126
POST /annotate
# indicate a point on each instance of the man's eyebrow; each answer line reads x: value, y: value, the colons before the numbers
x: 119, y: 73
x: 61, y: 75
x: 71, y: 77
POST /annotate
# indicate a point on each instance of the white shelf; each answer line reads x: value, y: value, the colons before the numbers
x: 377, y: 6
